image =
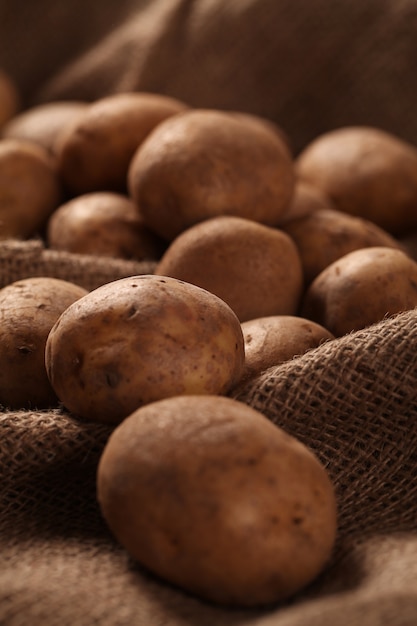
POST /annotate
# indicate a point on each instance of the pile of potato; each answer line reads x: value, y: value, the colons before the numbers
x: 260, y: 255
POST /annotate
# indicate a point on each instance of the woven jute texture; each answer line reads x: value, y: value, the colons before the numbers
x: 353, y: 401
x: 309, y: 66
x: 24, y: 259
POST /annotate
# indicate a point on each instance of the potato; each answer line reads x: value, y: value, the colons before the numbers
x: 362, y: 288
x: 140, y: 339
x: 28, y: 309
x: 94, y: 153
x: 278, y: 338
x: 306, y: 199
x: 325, y: 235
x: 29, y: 188
x: 366, y: 172
x: 43, y: 123
x: 211, y: 496
x: 206, y: 163
x: 255, y: 268
x: 102, y: 223
x: 9, y: 98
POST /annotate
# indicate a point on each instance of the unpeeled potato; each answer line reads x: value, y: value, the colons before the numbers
x: 278, y: 338
x: 28, y: 310
x: 140, y: 339
x: 9, y: 98
x: 205, y: 163
x: 255, y: 268
x: 325, y: 235
x: 362, y: 288
x: 102, y: 223
x: 366, y: 172
x: 95, y: 151
x: 211, y: 496
x: 30, y: 189
x: 43, y: 123
x: 306, y: 200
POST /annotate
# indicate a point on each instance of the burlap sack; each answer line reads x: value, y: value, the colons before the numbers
x: 309, y: 66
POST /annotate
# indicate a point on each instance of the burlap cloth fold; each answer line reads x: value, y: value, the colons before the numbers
x: 353, y: 401
x: 309, y: 66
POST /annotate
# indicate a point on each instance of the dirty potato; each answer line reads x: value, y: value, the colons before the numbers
x: 205, y: 163
x: 325, y: 235
x: 102, y: 223
x: 28, y: 310
x: 362, y: 288
x: 140, y: 339
x: 255, y: 268
x: 366, y: 172
x: 30, y: 189
x: 211, y: 496
x: 94, y: 153
x: 278, y: 338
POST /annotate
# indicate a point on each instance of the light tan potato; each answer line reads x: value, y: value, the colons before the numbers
x: 29, y: 188
x: 278, y: 338
x: 43, y: 123
x: 366, y: 172
x: 362, y: 288
x: 140, y: 339
x: 254, y: 268
x: 206, y: 163
x: 9, y: 98
x: 94, y: 153
x: 102, y: 223
x: 28, y: 310
x: 211, y: 496
x: 306, y: 199
x: 325, y: 235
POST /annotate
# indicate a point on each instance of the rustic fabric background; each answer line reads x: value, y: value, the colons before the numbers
x: 309, y: 66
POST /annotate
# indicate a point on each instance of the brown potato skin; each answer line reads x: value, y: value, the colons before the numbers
x: 211, y: 496
x: 9, y: 98
x: 362, y: 288
x: 306, y: 199
x: 205, y: 163
x: 366, y: 172
x: 94, y: 153
x: 140, y: 339
x: 29, y: 188
x: 43, y: 123
x: 102, y: 223
x: 325, y: 235
x: 28, y: 310
x: 255, y: 268
x: 278, y: 338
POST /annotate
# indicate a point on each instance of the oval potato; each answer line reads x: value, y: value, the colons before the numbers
x: 30, y: 189
x: 362, y: 288
x: 94, y: 153
x: 140, y: 339
x: 366, y: 172
x: 102, y: 223
x: 278, y: 338
x: 28, y: 310
x: 325, y: 235
x: 211, y: 496
x: 205, y: 163
x: 255, y: 268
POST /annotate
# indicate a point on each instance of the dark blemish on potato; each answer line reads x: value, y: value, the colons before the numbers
x: 41, y: 306
x: 112, y: 379
x: 131, y: 312
x: 25, y: 349
x: 249, y: 338
x: 297, y: 520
